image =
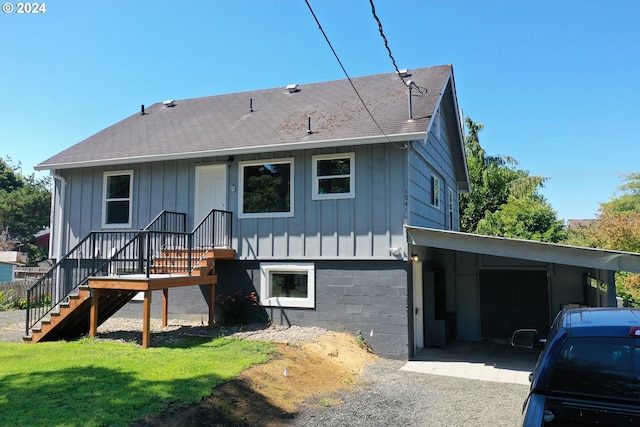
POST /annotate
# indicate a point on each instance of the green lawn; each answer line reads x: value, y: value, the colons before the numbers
x: 90, y: 383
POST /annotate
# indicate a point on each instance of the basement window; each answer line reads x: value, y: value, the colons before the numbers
x: 334, y: 176
x: 117, y: 199
x: 287, y: 285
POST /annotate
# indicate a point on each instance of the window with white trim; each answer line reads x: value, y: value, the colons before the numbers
x: 266, y: 188
x: 287, y: 285
x: 435, y: 191
x: 333, y: 176
x: 117, y: 199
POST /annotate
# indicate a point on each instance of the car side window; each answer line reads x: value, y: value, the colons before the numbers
x: 598, y: 366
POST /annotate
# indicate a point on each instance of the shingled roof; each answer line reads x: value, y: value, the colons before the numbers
x: 224, y: 124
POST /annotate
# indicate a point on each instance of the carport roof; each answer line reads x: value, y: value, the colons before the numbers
x: 525, y: 249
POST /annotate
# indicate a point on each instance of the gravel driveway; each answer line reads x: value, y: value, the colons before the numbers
x: 386, y: 395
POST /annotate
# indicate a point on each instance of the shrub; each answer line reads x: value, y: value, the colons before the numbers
x: 6, y: 300
x: 238, y: 309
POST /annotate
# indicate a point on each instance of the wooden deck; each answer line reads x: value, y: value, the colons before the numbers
x: 106, y: 285
x: 104, y: 295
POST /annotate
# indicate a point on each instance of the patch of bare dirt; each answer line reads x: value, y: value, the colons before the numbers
x: 307, y: 374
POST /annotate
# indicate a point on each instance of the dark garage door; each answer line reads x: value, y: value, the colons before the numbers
x: 511, y: 300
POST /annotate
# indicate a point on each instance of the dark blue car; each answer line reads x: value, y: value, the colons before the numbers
x: 588, y: 372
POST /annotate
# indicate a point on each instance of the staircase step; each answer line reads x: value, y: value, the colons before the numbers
x: 198, y: 271
x: 73, y: 320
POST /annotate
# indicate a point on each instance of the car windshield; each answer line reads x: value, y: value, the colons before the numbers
x: 599, y: 366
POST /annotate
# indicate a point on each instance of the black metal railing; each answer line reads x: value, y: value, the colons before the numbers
x: 153, y: 250
x: 214, y: 231
x: 168, y: 221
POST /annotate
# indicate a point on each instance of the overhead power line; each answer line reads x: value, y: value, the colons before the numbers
x: 386, y: 44
x: 345, y: 71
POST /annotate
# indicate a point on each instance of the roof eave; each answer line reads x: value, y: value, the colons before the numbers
x: 300, y: 145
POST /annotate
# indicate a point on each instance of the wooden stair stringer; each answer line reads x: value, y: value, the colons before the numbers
x: 73, y: 319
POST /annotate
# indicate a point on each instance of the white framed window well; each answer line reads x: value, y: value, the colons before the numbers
x: 117, y: 199
x: 266, y: 188
x: 333, y: 176
x: 287, y: 285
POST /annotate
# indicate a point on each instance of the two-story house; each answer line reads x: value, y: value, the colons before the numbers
x: 324, y: 198
x: 320, y: 179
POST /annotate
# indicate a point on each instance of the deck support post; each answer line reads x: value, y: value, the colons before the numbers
x: 165, y: 307
x: 93, y: 314
x: 212, y: 305
x: 146, y: 320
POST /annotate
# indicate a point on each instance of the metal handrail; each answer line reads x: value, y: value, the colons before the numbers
x: 168, y: 221
x: 129, y: 252
x: 214, y: 231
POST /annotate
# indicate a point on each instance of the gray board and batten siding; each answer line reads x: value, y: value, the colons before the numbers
x: 362, y: 227
x: 432, y: 157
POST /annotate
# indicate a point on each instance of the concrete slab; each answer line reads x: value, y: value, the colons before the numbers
x: 477, y: 360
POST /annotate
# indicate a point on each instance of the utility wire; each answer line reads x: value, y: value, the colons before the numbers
x: 345, y: 71
x: 386, y: 44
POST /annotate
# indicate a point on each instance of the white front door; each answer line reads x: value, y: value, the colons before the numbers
x: 211, y: 190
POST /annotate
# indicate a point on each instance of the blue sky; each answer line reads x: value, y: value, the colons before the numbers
x: 556, y: 83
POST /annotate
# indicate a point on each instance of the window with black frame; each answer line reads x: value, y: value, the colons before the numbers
x: 266, y: 188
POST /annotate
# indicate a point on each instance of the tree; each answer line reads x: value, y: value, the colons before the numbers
x: 529, y: 218
x: 618, y: 221
x: 9, y: 179
x: 618, y: 228
x: 504, y: 199
x: 25, y: 203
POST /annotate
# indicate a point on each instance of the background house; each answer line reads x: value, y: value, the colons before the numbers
x: 6, y: 271
x: 8, y: 262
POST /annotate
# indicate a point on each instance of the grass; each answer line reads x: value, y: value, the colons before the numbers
x: 91, y: 383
